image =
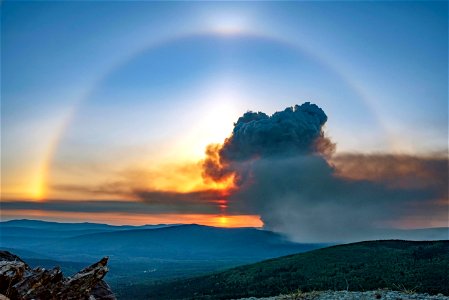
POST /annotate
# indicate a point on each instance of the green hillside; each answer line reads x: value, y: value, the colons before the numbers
x: 394, y: 264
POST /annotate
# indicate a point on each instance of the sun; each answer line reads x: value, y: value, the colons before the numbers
x: 224, y: 221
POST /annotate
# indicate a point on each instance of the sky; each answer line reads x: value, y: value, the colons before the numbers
x: 109, y: 110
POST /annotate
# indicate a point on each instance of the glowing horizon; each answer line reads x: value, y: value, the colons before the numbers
x: 218, y: 220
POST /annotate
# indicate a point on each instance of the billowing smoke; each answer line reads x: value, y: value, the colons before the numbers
x: 295, y: 131
x: 284, y: 172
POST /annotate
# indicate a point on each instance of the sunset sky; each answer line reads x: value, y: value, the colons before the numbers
x: 108, y: 107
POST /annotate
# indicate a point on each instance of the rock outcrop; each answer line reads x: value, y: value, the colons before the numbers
x: 19, y: 281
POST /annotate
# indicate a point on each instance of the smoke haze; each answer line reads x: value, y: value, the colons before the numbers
x: 284, y: 170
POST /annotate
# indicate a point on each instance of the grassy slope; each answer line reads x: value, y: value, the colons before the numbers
x: 420, y: 266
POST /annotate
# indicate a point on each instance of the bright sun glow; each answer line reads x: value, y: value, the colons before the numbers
x: 220, y: 109
x: 228, y: 23
x: 32, y: 185
x: 37, y: 189
x: 223, y: 221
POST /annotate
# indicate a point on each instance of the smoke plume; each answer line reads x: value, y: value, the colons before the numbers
x: 284, y: 171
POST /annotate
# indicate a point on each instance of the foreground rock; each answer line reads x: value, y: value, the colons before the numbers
x: 346, y: 295
x: 19, y: 281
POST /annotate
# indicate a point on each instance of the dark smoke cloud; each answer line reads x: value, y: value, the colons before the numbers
x: 296, y: 130
x: 176, y: 197
x: 285, y: 173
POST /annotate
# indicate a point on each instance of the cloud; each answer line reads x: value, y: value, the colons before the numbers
x: 166, y: 197
x: 285, y: 172
x: 206, y: 201
x: 113, y: 206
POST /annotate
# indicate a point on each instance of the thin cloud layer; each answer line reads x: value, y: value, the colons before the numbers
x: 395, y: 170
x: 113, y: 206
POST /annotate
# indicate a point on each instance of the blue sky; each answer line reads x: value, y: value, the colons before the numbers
x: 90, y: 88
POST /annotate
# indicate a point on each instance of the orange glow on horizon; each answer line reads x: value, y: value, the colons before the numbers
x: 119, y: 218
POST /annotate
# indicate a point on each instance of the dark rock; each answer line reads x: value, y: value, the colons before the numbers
x: 19, y: 281
x: 102, y: 291
x: 12, y: 270
x: 8, y: 256
x: 40, y: 284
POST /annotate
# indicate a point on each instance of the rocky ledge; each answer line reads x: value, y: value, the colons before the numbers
x: 19, y: 281
x: 347, y: 295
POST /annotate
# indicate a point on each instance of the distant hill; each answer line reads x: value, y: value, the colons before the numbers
x: 182, y: 242
x: 23, y: 235
x: 86, y: 241
x: 394, y: 264
x: 58, y: 226
x: 143, y: 253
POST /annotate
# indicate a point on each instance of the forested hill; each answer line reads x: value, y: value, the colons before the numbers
x: 394, y: 264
